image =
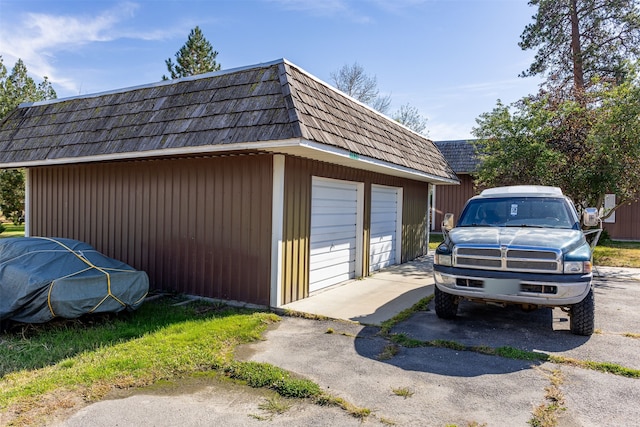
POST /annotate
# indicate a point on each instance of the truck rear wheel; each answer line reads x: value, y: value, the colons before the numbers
x: 582, y: 315
x: 446, y: 304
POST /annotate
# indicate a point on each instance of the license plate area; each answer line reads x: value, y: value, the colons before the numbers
x: 502, y: 286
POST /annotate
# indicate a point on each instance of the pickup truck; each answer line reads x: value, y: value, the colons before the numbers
x: 519, y: 245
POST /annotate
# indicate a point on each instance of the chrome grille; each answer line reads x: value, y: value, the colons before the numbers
x: 508, y: 259
x: 480, y: 252
x: 479, y: 263
x: 531, y: 265
x: 517, y: 253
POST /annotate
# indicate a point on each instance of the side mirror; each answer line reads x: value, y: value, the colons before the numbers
x: 590, y: 217
x: 447, y: 222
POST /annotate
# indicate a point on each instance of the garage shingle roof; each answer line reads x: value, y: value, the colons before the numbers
x: 270, y: 102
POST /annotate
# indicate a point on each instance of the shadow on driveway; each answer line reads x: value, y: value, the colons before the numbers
x: 545, y: 330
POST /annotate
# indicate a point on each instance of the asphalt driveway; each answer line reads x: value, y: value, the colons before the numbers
x: 442, y: 386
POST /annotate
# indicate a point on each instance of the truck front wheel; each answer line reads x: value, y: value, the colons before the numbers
x: 446, y: 304
x: 582, y: 314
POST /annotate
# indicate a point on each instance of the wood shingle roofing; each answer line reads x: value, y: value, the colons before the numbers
x: 460, y: 155
x: 273, y: 107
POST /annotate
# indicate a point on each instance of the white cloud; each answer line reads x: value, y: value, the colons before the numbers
x: 38, y: 37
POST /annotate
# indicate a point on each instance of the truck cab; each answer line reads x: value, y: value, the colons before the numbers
x: 519, y: 245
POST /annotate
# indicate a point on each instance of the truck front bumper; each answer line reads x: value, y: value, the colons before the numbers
x: 517, y: 288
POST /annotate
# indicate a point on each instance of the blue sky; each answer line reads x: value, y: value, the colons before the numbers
x: 450, y: 59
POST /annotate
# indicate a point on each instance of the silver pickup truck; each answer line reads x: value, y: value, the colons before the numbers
x: 518, y: 245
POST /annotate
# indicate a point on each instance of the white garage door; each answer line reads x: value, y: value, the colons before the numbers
x: 335, y: 221
x: 386, y: 221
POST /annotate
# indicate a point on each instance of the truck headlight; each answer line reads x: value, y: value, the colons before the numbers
x: 577, y: 267
x: 442, y: 259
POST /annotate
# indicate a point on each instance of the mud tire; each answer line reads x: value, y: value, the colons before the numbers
x: 446, y: 304
x: 582, y: 316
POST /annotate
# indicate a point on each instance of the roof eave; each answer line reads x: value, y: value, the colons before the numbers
x: 326, y: 153
x: 295, y: 147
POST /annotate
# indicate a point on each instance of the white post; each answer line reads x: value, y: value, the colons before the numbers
x: 27, y: 203
x: 277, y: 216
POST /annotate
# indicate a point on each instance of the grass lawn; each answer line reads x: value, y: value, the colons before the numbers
x: 617, y: 254
x: 44, y: 367
x: 12, y: 230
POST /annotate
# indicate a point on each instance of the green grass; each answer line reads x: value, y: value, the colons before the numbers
x: 259, y: 375
x: 422, y: 305
x: 275, y: 405
x: 12, y: 230
x: 403, y: 392
x: 610, y: 253
x: 606, y: 367
x: 435, y: 238
x: 160, y: 342
x: 515, y: 353
x: 29, y: 347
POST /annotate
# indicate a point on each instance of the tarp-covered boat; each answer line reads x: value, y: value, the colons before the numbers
x: 42, y: 278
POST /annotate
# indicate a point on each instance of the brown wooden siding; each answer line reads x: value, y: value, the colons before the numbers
x: 451, y: 199
x: 203, y: 226
x: 297, y: 217
x: 627, y: 225
x: 296, y: 231
x: 199, y: 226
x: 414, y: 220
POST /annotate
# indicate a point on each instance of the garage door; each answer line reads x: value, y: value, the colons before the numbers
x: 385, y: 227
x: 335, y: 226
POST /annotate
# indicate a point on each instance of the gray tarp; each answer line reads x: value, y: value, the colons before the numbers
x: 42, y: 278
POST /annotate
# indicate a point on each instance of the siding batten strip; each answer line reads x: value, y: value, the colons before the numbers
x: 27, y: 203
x: 277, y: 216
x: 399, y: 224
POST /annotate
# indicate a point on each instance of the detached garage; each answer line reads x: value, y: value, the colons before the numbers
x: 259, y: 184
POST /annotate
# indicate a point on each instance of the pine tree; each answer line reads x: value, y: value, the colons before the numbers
x: 579, y: 41
x: 195, y: 57
x: 16, y: 88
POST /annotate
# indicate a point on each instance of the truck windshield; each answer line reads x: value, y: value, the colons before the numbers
x: 545, y: 212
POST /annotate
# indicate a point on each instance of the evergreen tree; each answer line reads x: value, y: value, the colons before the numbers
x: 195, y: 57
x: 16, y: 88
x: 581, y: 41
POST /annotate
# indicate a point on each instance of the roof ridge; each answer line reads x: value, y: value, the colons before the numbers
x: 155, y: 84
